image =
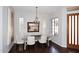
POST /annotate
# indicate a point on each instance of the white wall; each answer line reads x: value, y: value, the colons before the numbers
x: 43, y: 18
x: 61, y: 39
x: 64, y: 27
x: 0, y: 29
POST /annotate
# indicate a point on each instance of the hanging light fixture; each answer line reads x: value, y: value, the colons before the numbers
x: 36, y: 18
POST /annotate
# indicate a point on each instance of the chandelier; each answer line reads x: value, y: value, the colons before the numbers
x: 36, y: 18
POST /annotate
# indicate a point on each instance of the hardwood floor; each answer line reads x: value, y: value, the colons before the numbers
x: 41, y: 48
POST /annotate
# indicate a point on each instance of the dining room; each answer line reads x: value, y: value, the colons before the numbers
x: 37, y: 29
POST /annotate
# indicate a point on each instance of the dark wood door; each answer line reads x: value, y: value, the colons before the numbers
x: 73, y: 31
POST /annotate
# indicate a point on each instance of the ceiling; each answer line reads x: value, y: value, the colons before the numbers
x: 41, y: 9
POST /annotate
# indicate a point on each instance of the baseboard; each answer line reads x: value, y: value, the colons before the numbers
x: 58, y: 45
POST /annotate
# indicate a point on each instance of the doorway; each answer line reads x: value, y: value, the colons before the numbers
x: 10, y: 26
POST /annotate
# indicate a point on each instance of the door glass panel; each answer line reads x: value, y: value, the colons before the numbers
x: 78, y: 29
x: 72, y: 29
x: 75, y: 29
x: 69, y: 29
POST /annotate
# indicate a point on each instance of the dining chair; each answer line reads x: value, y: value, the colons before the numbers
x: 30, y: 42
x: 43, y: 39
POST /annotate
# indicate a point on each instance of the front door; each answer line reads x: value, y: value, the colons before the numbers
x: 73, y: 31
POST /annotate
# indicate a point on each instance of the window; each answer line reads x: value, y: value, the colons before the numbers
x: 55, y: 26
